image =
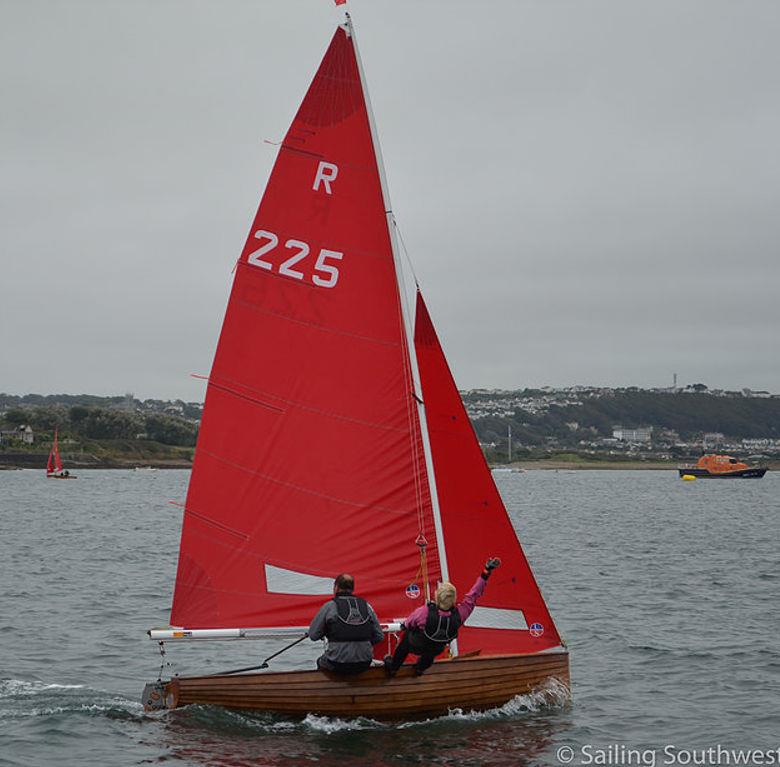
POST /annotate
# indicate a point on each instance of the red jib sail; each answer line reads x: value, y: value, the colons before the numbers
x: 309, y: 459
x: 54, y: 464
x: 512, y: 615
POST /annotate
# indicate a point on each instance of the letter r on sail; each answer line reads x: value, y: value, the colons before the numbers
x: 326, y: 172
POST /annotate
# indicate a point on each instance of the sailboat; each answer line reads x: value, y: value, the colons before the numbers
x: 54, y: 468
x: 334, y: 439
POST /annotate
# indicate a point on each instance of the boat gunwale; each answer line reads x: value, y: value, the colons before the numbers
x: 374, y: 684
x: 439, y: 664
x: 443, y: 687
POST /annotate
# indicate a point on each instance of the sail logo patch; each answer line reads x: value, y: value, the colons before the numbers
x: 536, y: 629
x: 412, y: 591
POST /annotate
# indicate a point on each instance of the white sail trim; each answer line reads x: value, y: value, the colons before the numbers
x: 278, y: 580
x: 408, y: 316
x: 497, y: 618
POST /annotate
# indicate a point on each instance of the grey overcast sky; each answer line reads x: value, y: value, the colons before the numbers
x: 589, y: 190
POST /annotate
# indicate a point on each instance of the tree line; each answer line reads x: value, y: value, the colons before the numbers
x: 103, y: 423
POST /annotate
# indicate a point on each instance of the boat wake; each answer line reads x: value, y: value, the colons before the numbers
x: 331, y: 725
x: 21, y: 698
x: 550, y: 695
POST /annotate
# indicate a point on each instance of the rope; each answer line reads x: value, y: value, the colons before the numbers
x: 406, y: 252
x: 264, y: 664
x: 422, y: 568
x: 163, y: 662
x: 411, y: 407
x: 421, y: 541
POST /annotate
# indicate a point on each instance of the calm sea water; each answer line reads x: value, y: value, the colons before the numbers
x: 666, y: 591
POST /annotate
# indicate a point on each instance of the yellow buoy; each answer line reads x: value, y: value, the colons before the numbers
x: 688, y: 477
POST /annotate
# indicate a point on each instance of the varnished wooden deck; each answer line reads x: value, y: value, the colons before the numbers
x: 471, y: 683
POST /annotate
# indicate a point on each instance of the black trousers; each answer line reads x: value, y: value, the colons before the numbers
x: 324, y: 664
x: 424, y: 660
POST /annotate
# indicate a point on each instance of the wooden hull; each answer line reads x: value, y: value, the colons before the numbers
x: 469, y: 683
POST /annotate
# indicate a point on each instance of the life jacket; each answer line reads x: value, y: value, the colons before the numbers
x: 353, y: 623
x: 439, y: 631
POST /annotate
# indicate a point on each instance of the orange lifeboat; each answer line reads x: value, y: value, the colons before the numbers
x: 722, y: 466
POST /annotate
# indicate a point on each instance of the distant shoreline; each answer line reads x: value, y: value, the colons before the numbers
x: 551, y: 464
x: 543, y: 464
x: 37, y: 462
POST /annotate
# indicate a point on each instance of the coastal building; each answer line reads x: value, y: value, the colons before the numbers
x: 642, y: 434
x: 760, y: 394
x: 712, y: 440
x: 22, y: 433
x: 759, y: 444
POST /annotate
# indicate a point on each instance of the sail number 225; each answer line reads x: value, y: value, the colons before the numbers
x: 325, y: 274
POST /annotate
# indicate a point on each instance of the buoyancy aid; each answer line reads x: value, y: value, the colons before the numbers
x: 440, y: 629
x: 353, y: 622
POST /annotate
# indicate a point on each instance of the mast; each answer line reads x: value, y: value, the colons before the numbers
x: 509, y: 442
x: 406, y: 312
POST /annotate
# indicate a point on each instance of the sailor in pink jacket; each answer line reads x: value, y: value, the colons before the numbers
x: 429, y: 629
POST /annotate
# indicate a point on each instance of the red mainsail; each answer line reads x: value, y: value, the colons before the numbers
x: 310, y: 459
x: 512, y: 615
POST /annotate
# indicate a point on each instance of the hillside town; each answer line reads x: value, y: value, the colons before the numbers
x: 661, y: 424
x: 572, y: 423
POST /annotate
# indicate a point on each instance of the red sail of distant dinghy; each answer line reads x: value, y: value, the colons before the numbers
x: 512, y: 617
x: 54, y: 464
x: 310, y: 459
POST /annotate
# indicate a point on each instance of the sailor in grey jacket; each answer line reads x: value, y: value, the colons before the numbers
x: 351, y: 627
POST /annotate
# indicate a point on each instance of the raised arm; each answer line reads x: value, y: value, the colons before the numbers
x: 466, y: 607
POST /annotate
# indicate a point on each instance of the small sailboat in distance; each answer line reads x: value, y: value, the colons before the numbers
x: 54, y: 468
x: 334, y: 439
